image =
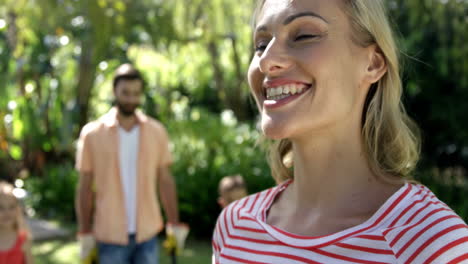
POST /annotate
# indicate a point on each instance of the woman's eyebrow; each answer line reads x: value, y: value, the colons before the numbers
x: 291, y: 18
x: 302, y: 14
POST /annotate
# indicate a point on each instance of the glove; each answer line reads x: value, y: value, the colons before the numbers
x: 175, y: 238
x: 170, y: 245
x: 87, y: 245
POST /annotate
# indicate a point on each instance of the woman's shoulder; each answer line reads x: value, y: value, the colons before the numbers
x: 420, y: 207
x: 439, y: 240
x: 422, y: 199
x: 245, y: 210
x: 250, y: 205
x: 427, y: 230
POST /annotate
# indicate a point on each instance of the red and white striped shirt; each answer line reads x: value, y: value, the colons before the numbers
x: 412, y: 226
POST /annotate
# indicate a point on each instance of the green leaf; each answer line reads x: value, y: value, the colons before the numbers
x: 16, y: 152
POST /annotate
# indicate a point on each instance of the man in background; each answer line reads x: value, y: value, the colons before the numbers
x: 123, y: 160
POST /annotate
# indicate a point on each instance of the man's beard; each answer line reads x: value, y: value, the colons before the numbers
x: 126, y: 109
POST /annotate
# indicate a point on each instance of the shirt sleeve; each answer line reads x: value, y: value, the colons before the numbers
x: 83, y: 153
x: 442, y: 239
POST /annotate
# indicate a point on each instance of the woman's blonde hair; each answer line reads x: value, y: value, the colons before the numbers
x: 7, y: 190
x: 391, y: 139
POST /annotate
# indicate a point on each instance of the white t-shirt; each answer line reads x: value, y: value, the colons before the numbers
x: 128, y: 157
x: 413, y: 226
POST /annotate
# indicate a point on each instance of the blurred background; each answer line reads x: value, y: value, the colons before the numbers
x: 57, y: 58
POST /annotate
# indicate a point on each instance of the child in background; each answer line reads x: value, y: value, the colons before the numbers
x: 231, y: 188
x: 15, y: 245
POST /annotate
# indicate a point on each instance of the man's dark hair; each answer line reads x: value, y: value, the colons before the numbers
x: 126, y: 72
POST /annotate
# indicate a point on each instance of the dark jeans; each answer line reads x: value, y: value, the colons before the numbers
x: 134, y: 253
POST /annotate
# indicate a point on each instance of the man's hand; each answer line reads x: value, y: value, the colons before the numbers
x: 176, y: 235
x: 87, y: 244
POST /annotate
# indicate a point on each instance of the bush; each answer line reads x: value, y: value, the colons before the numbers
x: 52, y: 194
x: 207, y: 147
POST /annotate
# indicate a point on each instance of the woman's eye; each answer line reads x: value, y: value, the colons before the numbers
x: 261, y: 46
x: 304, y: 37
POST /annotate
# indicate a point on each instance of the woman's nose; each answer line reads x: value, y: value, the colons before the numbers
x: 275, y: 58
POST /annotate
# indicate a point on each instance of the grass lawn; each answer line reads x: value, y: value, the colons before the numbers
x: 66, y: 252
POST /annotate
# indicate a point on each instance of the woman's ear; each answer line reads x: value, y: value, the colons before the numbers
x: 377, y: 65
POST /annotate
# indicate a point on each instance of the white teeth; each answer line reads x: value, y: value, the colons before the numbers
x: 284, y: 91
x: 279, y: 97
x: 293, y: 89
x: 279, y: 91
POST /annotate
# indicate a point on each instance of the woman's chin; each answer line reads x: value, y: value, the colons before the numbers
x: 274, y: 132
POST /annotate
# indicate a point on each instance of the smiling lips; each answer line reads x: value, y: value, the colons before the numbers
x: 284, y: 91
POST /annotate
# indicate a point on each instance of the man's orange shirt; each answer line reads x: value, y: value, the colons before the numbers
x: 98, y: 154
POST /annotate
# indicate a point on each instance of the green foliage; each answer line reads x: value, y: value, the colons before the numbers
x: 206, y: 148
x: 52, y: 195
x: 434, y: 36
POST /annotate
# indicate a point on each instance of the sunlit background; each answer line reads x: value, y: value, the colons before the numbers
x: 56, y: 63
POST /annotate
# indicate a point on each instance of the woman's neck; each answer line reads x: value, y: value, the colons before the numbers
x: 332, y: 175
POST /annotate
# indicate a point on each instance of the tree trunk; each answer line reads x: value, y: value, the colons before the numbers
x: 238, y: 97
x: 87, y: 72
x: 231, y: 96
x: 217, y: 71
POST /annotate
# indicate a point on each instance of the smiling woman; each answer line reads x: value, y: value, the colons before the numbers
x: 326, y: 81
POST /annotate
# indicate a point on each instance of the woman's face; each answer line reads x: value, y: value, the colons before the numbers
x: 307, y: 75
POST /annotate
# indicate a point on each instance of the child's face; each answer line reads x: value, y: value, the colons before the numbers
x: 232, y: 196
x: 8, y: 210
x: 236, y: 194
